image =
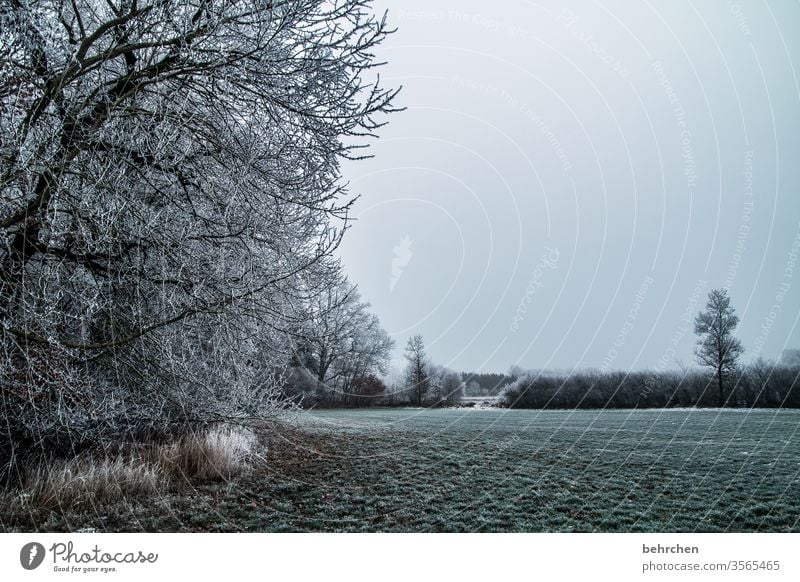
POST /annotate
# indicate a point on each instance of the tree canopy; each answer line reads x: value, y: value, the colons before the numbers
x: 717, y: 347
x: 170, y: 194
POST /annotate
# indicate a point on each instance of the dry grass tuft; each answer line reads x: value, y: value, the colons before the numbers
x: 218, y: 453
x: 85, y: 480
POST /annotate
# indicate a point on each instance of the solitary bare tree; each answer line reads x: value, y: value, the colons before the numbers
x: 717, y: 347
x: 417, y: 376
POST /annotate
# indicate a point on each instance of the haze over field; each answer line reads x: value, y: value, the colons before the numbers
x: 567, y: 185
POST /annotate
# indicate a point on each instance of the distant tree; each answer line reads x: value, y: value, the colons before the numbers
x: 446, y: 386
x: 452, y: 387
x: 791, y: 358
x: 757, y: 378
x: 717, y: 347
x: 473, y: 388
x: 368, y: 389
x: 342, y: 342
x: 488, y: 383
x: 684, y: 367
x: 417, y: 377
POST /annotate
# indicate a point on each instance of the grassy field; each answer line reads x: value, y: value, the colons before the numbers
x: 491, y: 470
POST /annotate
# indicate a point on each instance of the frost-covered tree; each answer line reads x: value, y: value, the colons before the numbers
x: 418, y: 380
x: 717, y: 347
x: 446, y: 387
x: 168, y: 168
x: 790, y: 358
x: 342, y: 342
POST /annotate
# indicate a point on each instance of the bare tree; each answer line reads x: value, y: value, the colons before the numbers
x: 446, y: 385
x: 417, y: 376
x: 717, y: 347
x: 342, y: 342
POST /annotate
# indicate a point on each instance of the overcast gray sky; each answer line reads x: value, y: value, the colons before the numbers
x: 567, y: 184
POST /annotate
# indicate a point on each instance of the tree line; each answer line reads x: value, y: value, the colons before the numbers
x: 727, y: 383
x: 760, y: 384
x: 356, y: 372
x: 170, y: 202
x: 345, y: 361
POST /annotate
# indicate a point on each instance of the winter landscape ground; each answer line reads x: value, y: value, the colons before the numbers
x: 487, y: 470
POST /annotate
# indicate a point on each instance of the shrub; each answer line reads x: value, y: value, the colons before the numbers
x: 761, y: 384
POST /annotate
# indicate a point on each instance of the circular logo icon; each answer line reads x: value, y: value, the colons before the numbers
x: 31, y: 555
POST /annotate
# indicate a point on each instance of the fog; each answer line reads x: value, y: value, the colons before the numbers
x: 567, y: 184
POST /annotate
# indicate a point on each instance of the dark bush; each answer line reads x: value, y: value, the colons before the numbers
x: 760, y: 384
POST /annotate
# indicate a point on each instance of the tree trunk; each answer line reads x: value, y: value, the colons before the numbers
x: 721, y: 390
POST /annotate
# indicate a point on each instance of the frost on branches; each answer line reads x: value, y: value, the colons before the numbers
x: 171, y: 197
